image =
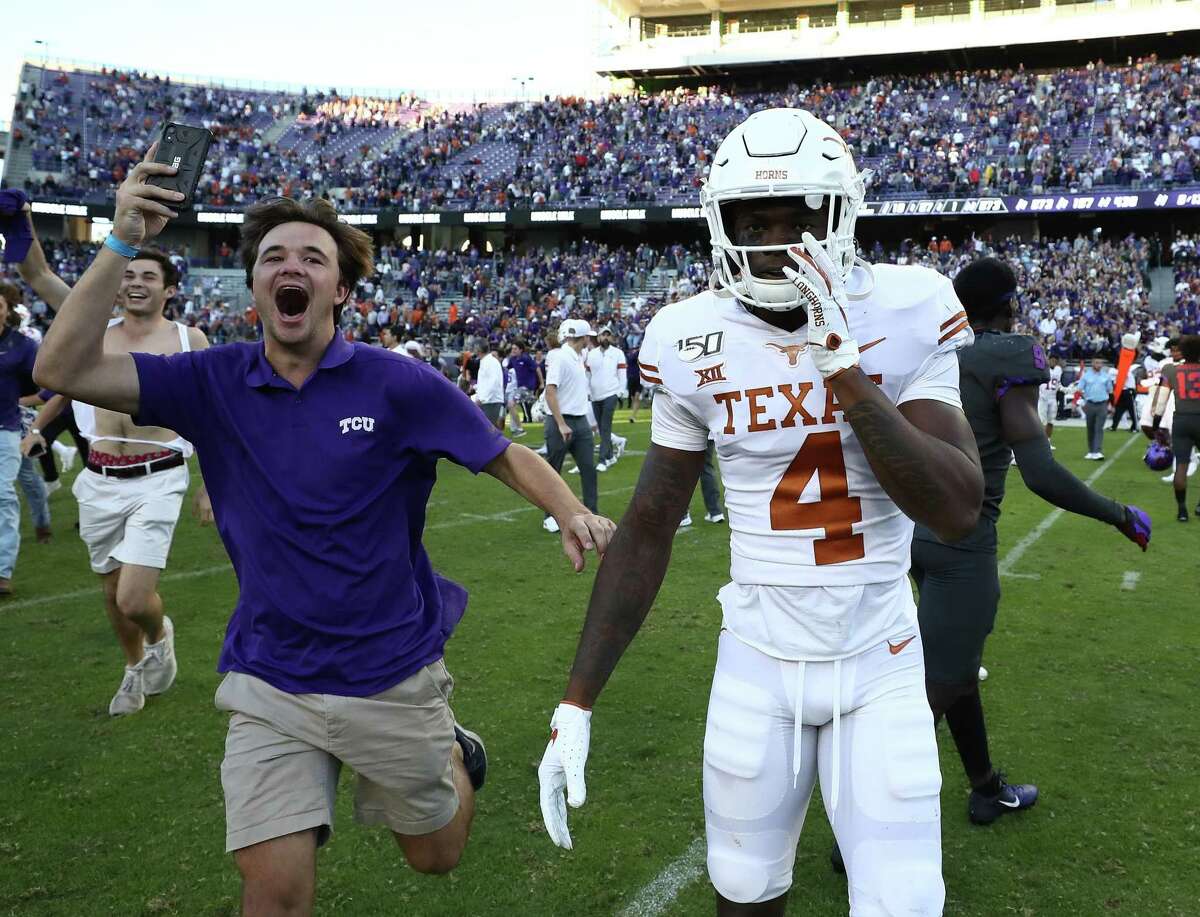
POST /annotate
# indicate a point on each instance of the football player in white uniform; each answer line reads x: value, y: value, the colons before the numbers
x: 831, y: 391
x: 1047, y: 406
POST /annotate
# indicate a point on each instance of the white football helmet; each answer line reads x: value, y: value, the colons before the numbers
x: 781, y: 152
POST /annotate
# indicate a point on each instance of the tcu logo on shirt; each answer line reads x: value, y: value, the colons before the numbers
x: 357, y: 423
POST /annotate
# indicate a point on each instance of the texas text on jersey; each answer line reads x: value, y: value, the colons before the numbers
x: 805, y: 509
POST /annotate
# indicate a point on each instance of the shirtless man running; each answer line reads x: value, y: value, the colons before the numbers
x: 132, y: 487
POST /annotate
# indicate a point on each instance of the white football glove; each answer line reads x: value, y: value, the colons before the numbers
x: 824, y: 294
x: 562, y: 769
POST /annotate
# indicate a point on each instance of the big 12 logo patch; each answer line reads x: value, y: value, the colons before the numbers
x: 699, y: 346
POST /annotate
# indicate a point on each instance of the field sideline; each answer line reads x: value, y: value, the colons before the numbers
x: 1091, y: 683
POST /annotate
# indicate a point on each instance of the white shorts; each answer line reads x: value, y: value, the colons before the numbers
x: 877, y: 761
x: 129, y: 520
x: 1047, y: 409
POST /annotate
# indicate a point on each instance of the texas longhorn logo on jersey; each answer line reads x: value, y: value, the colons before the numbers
x: 791, y: 351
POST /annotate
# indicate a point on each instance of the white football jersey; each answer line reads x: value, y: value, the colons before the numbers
x: 804, y: 507
x: 1049, y: 389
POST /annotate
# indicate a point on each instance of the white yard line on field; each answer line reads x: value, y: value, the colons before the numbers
x: 662, y: 892
x: 95, y: 590
x: 1130, y: 580
x: 466, y: 519
x: 505, y: 515
x: 1018, y: 550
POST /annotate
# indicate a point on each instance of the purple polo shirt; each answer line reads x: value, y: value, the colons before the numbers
x: 320, y: 497
x: 17, y: 354
x: 526, y: 369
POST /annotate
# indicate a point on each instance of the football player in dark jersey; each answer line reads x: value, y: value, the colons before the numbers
x: 959, y: 584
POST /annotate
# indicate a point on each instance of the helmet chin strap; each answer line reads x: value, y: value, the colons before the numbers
x: 854, y: 295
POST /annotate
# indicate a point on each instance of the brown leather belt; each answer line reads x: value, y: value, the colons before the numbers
x: 137, y: 471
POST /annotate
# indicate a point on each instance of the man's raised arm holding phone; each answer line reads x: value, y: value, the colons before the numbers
x: 71, y: 360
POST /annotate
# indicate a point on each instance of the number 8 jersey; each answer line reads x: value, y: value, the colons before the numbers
x: 804, y: 507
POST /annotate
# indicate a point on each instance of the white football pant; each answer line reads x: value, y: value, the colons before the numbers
x: 866, y: 729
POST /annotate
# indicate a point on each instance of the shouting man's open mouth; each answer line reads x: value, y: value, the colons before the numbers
x: 291, y: 300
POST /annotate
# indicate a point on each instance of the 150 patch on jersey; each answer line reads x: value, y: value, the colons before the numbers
x: 699, y: 346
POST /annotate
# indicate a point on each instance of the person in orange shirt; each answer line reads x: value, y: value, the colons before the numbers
x: 453, y: 312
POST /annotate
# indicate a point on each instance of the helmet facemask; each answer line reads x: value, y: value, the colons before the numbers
x: 731, y: 261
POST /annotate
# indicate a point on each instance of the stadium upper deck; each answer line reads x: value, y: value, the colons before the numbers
x: 682, y: 37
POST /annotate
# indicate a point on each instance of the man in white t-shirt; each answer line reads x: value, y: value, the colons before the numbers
x: 489, y: 387
x: 605, y: 365
x: 832, y: 396
x: 566, y: 421
x: 1048, y: 398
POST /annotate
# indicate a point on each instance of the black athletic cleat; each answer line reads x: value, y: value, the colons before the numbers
x: 1182, y: 515
x: 474, y: 755
x: 983, y: 810
x: 836, y: 861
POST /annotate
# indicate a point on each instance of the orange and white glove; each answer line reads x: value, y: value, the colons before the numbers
x: 561, y: 770
x: 824, y: 294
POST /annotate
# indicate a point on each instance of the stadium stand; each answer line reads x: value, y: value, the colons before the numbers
x: 981, y: 132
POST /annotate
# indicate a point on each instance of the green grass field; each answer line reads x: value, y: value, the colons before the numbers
x: 1088, y: 697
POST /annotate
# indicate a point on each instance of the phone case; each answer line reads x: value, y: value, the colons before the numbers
x: 186, y: 148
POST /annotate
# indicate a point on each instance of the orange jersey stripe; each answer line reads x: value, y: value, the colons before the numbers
x: 653, y: 380
x: 951, y: 320
x: 644, y: 365
x: 953, y: 331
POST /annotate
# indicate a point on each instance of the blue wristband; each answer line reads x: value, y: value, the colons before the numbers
x: 124, y: 249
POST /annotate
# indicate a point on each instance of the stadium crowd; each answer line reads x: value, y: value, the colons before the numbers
x: 969, y: 132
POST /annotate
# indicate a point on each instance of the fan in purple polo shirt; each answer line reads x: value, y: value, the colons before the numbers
x: 319, y: 456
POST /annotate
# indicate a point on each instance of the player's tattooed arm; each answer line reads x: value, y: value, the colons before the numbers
x: 633, y: 568
x: 923, y: 454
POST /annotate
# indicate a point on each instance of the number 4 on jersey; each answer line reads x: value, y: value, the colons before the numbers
x: 836, y: 511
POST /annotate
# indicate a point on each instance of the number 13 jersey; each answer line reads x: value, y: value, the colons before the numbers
x: 804, y: 507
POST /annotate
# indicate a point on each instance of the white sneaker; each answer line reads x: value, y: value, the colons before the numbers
x: 602, y: 466
x: 1099, y: 456
x: 158, y: 665
x: 131, y: 696
x: 550, y: 524
x: 517, y: 433
x: 542, y: 450
x: 66, y: 455
x: 620, y: 443
x: 1168, y: 478
x: 52, y: 486
x: 1053, y: 448
x: 983, y: 674
x: 574, y: 470
x: 714, y: 517
x: 686, y: 520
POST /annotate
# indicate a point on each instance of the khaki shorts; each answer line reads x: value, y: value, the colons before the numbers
x: 129, y: 520
x: 283, y: 754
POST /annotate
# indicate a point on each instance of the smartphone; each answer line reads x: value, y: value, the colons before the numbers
x: 186, y: 148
